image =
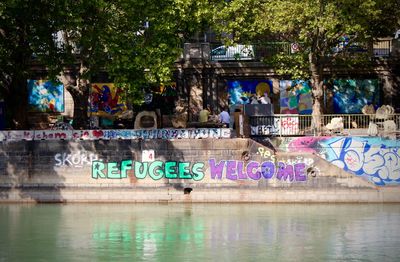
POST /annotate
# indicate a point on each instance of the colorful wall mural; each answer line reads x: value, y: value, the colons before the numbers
x: 45, y: 96
x: 295, y: 97
x: 373, y: 158
x: 242, y: 91
x: 351, y: 95
x: 105, y: 100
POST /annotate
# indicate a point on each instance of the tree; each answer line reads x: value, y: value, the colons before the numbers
x: 26, y: 31
x: 134, y: 42
x: 316, y: 26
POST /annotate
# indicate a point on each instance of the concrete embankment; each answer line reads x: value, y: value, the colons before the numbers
x: 200, y: 170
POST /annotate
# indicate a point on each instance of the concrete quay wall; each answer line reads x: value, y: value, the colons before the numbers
x: 197, y: 170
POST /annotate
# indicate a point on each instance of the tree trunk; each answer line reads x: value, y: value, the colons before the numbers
x: 16, y: 102
x: 317, y: 93
x: 78, y: 87
x: 80, y: 95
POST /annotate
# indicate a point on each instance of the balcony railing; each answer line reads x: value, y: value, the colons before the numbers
x: 259, y: 51
x: 332, y: 124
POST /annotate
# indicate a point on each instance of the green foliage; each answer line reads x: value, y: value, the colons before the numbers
x: 135, y: 42
x: 294, y: 65
x: 316, y: 24
x: 26, y: 31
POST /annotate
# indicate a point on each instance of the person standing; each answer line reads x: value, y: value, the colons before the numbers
x: 224, y: 117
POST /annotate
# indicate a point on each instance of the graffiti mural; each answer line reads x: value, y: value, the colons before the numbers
x: 17, y: 135
x: 162, y: 133
x: 283, y: 125
x: 155, y: 170
x: 295, y: 97
x: 197, y: 133
x: 375, y: 159
x: 351, y: 95
x: 224, y: 169
x: 78, y: 159
x: 105, y: 100
x: 242, y: 91
x: 253, y: 170
x: 45, y: 96
x: 265, y: 153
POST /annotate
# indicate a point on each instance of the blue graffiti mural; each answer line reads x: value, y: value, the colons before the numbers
x: 373, y: 158
x: 350, y: 95
x: 242, y: 91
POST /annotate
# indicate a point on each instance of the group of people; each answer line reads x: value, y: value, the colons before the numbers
x: 260, y: 99
x: 223, y: 117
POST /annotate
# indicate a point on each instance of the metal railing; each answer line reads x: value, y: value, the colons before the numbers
x: 331, y: 124
x: 259, y: 51
x: 252, y: 51
x: 382, y: 48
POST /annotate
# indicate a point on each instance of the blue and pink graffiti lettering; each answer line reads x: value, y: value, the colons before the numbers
x: 238, y: 170
x: 376, y: 159
x: 373, y: 158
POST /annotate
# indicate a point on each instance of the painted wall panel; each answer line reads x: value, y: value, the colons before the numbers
x: 295, y: 97
x: 241, y: 91
x: 351, y: 95
x: 105, y: 100
x: 45, y: 96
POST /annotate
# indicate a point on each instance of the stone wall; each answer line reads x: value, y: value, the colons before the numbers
x: 175, y: 170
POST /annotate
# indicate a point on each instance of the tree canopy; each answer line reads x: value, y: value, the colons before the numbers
x: 316, y: 26
x: 135, y: 42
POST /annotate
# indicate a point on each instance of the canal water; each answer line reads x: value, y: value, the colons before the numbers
x: 200, y: 232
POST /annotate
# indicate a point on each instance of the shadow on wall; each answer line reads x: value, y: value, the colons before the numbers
x: 28, y: 173
x: 131, y: 161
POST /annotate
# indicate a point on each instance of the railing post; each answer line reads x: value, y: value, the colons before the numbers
x: 349, y: 122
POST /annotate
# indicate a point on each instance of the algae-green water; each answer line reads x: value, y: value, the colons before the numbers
x: 200, y: 232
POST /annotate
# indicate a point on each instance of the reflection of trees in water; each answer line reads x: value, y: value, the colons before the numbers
x: 200, y: 232
x: 238, y: 232
x: 149, y: 232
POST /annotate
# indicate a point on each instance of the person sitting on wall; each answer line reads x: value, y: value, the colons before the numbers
x: 265, y: 99
x: 203, y: 115
x: 224, y: 117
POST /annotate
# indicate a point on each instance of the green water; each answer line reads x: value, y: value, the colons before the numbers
x: 199, y: 232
